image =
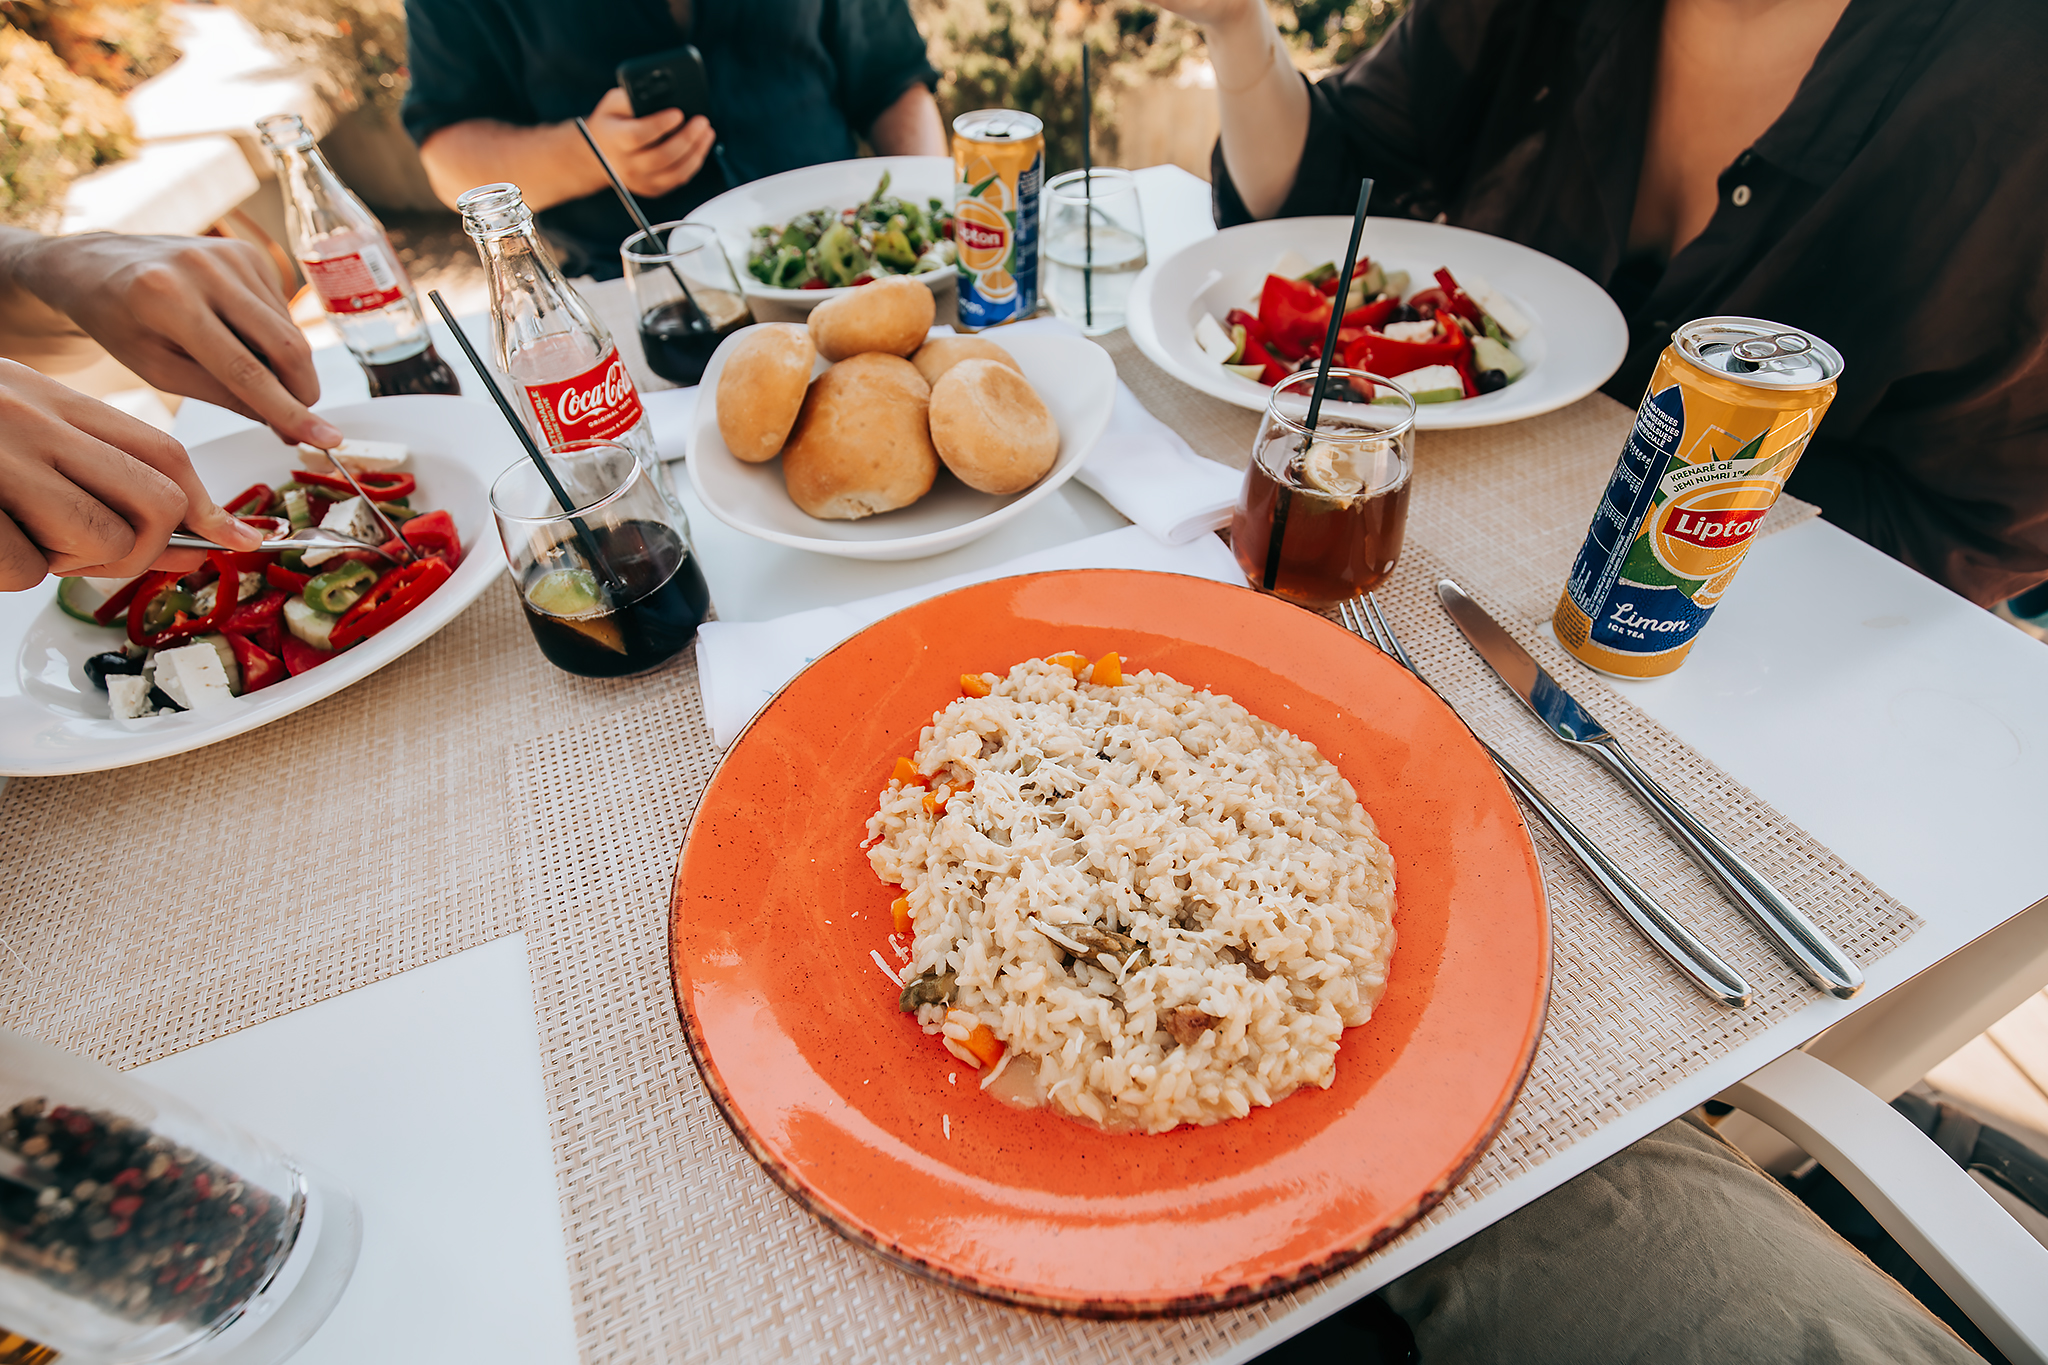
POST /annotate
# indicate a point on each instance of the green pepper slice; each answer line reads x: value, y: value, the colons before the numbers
x: 335, y: 591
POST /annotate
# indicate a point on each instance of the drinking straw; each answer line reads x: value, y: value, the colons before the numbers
x: 540, y: 461
x: 1315, y: 398
x: 698, y: 322
x: 1087, y: 195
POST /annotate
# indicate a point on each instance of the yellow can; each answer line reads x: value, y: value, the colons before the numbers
x: 1730, y: 409
x: 998, y: 170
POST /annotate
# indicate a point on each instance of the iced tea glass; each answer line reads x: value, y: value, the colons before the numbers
x: 612, y: 588
x: 1321, y: 515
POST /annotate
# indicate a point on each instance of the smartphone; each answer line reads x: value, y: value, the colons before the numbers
x: 666, y: 80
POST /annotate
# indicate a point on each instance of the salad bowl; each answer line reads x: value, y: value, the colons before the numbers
x: 1576, y: 341
x: 53, y: 720
x: 834, y: 185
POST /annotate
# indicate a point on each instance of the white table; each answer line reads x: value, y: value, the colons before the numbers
x: 1901, y: 725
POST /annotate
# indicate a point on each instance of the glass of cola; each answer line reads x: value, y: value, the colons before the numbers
x: 685, y: 295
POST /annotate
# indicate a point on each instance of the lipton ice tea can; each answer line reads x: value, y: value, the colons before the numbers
x: 998, y: 170
x: 1730, y: 408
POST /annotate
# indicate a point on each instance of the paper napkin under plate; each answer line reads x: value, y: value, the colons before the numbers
x: 741, y: 664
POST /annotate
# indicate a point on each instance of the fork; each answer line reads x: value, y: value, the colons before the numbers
x: 1694, y: 959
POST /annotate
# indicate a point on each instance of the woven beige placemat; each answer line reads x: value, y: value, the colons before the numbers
x: 682, y: 1249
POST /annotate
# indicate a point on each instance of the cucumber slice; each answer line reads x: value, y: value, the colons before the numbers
x: 79, y: 599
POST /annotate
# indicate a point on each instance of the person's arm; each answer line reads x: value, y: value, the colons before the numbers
x: 551, y: 165
x: 911, y: 126
x: 1262, y: 99
x: 199, y: 316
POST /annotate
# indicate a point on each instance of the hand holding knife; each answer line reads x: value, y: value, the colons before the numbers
x: 1801, y: 942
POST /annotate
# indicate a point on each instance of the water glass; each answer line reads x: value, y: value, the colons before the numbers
x: 1094, y: 247
x: 676, y: 338
x: 611, y: 587
x: 1322, y: 513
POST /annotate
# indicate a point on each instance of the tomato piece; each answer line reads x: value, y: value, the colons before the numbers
x: 260, y: 619
x: 433, y: 533
x: 299, y: 656
x: 393, y: 595
x: 385, y: 485
x: 260, y: 668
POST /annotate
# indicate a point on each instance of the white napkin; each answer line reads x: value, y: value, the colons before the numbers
x: 672, y: 413
x: 741, y: 664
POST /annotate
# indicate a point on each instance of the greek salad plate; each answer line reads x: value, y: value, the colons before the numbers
x: 775, y: 200
x: 1571, y: 335
x: 54, y: 720
x: 1075, y: 378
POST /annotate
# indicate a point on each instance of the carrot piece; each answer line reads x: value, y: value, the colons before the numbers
x: 934, y: 802
x: 899, y: 913
x: 983, y: 1044
x: 974, y: 685
x: 906, y: 772
x: 1073, y: 663
x: 1109, y: 670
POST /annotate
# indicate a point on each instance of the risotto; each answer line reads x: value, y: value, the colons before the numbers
x: 1134, y: 902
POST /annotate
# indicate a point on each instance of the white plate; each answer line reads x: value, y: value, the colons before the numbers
x: 54, y: 721
x: 833, y: 185
x: 1075, y: 377
x: 1577, y: 342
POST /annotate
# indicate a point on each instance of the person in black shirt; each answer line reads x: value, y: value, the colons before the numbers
x: 496, y: 83
x: 1871, y: 170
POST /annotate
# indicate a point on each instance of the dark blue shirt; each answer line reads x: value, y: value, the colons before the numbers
x: 792, y: 84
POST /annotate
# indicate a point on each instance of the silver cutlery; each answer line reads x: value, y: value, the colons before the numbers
x: 1694, y: 959
x: 305, y: 538
x: 1801, y: 941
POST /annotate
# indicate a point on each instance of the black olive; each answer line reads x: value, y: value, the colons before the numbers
x: 161, y: 700
x: 1489, y: 381
x: 1405, y: 314
x: 100, y: 666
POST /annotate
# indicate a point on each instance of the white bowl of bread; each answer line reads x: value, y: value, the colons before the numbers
x: 860, y: 433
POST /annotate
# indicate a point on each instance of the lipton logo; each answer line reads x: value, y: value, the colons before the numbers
x: 980, y: 236
x: 1712, y: 530
x: 615, y: 388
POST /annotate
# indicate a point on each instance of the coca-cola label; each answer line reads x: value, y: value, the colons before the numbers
x: 360, y: 282
x: 598, y: 405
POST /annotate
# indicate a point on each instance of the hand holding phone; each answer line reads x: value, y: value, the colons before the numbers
x: 666, y: 80
x: 653, y: 155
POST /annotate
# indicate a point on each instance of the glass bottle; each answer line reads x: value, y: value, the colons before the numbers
x: 350, y: 264
x: 572, y: 383
x: 133, y: 1228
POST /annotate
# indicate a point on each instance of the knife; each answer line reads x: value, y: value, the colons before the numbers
x: 1797, y: 937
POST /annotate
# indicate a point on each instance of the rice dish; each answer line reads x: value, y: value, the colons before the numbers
x: 1165, y: 909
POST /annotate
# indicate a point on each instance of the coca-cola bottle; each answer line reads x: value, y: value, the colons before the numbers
x: 572, y: 382
x: 350, y: 264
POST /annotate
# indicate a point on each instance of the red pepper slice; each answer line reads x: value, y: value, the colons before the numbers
x: 1253, y: 328
x: 184, y: 628
x: 118, y: 603
x: 299, y: 656
x: 260, y: 668
x: 1295, y: 315
x: 1459, y: 301
x: 383, y: 485
x: 278, y: 576
x: 260, y: 619
x: 251, y: 501
x: 1371, y: 314
x: 391, y: 597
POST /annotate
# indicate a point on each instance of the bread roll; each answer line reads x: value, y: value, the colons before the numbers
x: 892, y: 315
x: 761, y: 388
x: 862, y: 443
x: 941, y: 354
x: 991, y: 427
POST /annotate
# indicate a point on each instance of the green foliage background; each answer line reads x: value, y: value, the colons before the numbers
x: 1026, y: 54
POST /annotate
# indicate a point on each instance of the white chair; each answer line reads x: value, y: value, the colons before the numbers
x: 1833, y: 1101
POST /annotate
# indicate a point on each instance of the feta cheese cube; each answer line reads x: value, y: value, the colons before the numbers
x: 1214, y: 341
x: 128, y: 695
x: 1424, y: 330
x: 1511, y: 319
x: 358, y: 456
x: 351, y: 517
x: 192, y: 676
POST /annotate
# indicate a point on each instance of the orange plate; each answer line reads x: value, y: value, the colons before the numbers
x: 841, y: 1097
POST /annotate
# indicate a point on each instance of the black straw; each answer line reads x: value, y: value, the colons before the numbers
x: 698, y: 322
x: 1315, y: 399
x: 1087, y: 194
x: 540, y: 461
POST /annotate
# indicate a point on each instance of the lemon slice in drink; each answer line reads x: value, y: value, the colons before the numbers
x: 573, y: 597
x: 1334, y: 469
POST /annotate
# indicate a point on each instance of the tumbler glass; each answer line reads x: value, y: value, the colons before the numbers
x: 676, y: 338
x: 1321, y: 516
x: 133, y: 1228
x: 613, y: 587
x: 1094, y: 247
